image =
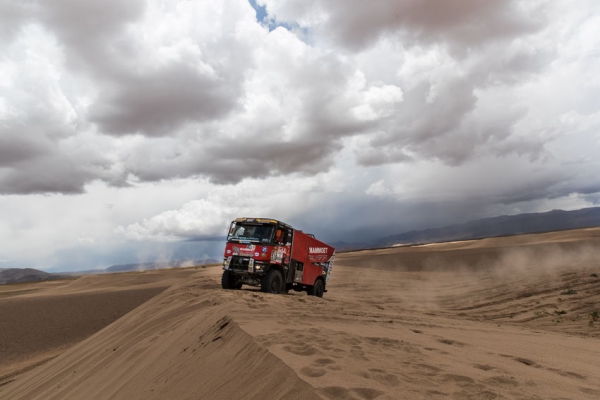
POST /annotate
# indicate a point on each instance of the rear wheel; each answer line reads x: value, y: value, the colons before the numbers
x: 272, y: 282
x: 317, y: 289
x: 230, y: 281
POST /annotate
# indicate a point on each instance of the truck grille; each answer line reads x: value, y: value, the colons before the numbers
x: 239, y: 263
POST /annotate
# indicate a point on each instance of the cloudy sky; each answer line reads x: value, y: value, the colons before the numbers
x: 136, y: 130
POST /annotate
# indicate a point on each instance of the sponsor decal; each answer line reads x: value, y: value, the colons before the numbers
x: 236, y: 250
x: 249, y: 249
x: 317, y: 250
x: 277, y: 254
x: 263, y: 255
x: 228, y: 251
x: 265, y: 249
x: 256, y: 254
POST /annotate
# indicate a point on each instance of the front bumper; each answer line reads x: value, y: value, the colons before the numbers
x: 244, y: 265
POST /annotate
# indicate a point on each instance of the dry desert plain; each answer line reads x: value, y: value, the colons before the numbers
x: 503, y: 318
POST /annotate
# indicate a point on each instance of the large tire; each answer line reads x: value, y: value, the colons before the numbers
x: 318, y: 289
x: 230, y: 281
x: 272, y: 282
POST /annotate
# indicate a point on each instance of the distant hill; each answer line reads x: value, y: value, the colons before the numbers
x: 159, y: 265
x: 507, y: 225
x: 21, y: 275
x: 349, y: 246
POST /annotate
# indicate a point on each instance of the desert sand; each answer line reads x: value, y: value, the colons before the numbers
x: 503, y: 318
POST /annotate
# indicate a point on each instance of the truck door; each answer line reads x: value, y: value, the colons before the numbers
x: 298, y: 271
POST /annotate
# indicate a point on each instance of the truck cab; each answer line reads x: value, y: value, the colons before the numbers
x: 271, y: 254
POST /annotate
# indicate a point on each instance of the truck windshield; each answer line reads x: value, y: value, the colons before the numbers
x: 244, y: 232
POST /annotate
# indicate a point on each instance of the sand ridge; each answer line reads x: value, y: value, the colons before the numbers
x: 487, y: 321
x: 40, y: 320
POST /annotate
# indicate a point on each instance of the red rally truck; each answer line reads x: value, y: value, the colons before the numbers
x: 273, y: 255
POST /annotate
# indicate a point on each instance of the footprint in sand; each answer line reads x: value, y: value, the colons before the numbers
x: 323, y: 361
x: 426, y: 370
x: 568, y: 374
x: 458, y: 378
x: 313, y: 372
x: 451, y: 342
x: 305, y: 350
x: 337, y: 392
x: 501, y: 381
x: 327, y: 363
x: 483, y: 367
x: 593, y: 392
x: 357, y: 353
x: 522, y: 360
x: 383, y: 377
x: 526, y: 362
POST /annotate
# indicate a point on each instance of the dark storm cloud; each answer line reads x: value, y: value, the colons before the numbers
x: 190, y: 105
x: 12, y: 15
x: 256, y: 145
x: 131, y: 90
x: 450, y: 128
x: 420, y: 125
x: 230, y: 161
x: 461, y: 24
x: 45, y: 175
x: 441, y: 116
x: 92, y: 32
x: 263, y: 159
x: 32, y: 159
x: 361, y: 219
x: 160, y: 102
x: 135, y: 95
x: 16, y: 146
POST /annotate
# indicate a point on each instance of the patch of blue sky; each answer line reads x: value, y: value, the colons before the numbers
x: 261, y: 11
x: 262, y: 16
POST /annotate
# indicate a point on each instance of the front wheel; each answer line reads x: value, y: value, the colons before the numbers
x: 230, y: 281
x: 272, y: 282
x: 317, y: 289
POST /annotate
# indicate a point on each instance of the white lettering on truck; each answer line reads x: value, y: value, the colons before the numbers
x: 317, y: 250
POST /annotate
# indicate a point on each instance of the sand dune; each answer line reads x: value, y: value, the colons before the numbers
x: 503, y: 318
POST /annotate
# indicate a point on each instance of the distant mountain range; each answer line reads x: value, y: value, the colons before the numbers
x: 20, y: 275
x: 507, y: 225
x: 160, y: 265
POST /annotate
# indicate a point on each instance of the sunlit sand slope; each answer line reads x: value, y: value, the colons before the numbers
x: 181, y: 344
x: 506, y: 318
x: 41, y: 320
